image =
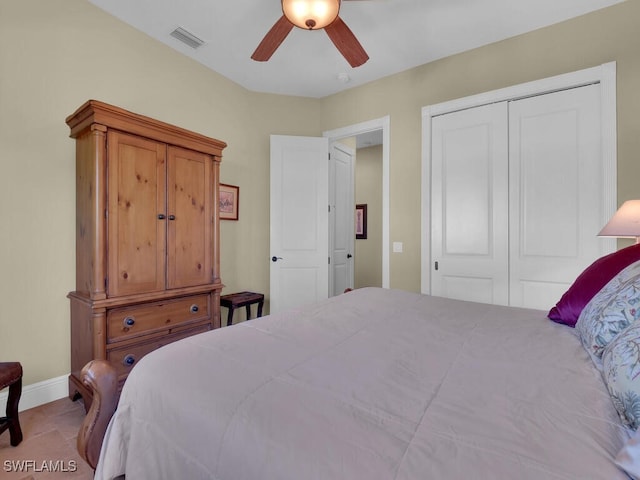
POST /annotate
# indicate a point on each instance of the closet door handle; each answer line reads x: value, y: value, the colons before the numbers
x: 161, y: 216
x: 172, y: 217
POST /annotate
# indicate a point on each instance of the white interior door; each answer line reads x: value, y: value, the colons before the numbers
x: 341, y: 218
x: 299, y: 221
x: 469, y: 235
x: 556, y: 192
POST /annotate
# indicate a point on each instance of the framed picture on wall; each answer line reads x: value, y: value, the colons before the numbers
x: 229, y: 202
x: 361, y: 221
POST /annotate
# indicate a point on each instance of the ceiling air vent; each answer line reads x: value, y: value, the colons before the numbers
x: 187, y: 37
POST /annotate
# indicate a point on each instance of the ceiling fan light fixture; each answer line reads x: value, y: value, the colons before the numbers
x: 311, y: 14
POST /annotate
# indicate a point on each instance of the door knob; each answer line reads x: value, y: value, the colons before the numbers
x: 349, y: 255
x: 275, y: 259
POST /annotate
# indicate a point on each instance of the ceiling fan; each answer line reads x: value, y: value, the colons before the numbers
x: 312, y: 15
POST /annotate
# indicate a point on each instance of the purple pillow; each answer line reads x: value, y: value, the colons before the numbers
x: 590, y: 282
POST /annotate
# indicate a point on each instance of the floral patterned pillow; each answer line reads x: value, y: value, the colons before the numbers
x: 610, y: 311
x: 621, y: 369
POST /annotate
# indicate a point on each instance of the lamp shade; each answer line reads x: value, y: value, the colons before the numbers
x: 311, y: 14
x: 625, y: 222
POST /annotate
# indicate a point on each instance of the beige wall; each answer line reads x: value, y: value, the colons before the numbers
x: 608, y: 35
x: 368, y: 256
x: 55, y: 54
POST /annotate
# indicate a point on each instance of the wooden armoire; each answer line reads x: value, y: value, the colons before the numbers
x: 147, y: 237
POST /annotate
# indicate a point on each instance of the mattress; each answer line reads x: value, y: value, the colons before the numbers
x: 373, y: 384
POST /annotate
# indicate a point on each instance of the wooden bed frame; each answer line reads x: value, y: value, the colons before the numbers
x: 100, y: 377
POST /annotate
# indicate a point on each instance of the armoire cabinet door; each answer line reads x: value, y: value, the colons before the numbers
x: 190, y: 189
x: 136, y: 214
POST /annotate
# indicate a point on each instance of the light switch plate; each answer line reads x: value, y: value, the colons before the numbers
x: 397, y: 247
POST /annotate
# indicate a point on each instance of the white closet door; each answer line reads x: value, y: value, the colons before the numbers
x: 470, y: 205
x: 555, y: 192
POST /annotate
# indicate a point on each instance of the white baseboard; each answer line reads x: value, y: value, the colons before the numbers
x: 39, y: 393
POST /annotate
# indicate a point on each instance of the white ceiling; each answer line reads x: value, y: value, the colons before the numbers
x: 397, y: 35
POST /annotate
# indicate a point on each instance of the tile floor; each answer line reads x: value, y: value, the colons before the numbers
x: 48, y: 449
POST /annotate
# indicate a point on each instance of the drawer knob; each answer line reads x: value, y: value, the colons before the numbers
x: 129, y: 360
x: 129, y: 321
x: 194, y: 308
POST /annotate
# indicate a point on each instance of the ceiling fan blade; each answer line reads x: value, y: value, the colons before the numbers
x: 272, y: 40
x: 346, y: 42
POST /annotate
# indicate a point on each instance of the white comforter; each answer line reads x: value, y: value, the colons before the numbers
x: 373, y: 384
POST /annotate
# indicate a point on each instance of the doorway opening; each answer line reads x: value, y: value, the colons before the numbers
x: 373, y: 134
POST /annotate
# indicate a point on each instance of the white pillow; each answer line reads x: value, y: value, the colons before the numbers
x: 629, y: 457
x: 610, y: 311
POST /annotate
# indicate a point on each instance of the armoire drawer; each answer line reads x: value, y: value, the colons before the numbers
x: 129, y: 322
x: 123, y: 359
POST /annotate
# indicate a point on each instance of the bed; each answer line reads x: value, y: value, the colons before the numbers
x: 371, y: 384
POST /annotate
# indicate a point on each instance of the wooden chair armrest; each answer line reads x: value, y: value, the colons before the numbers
x: 100, y: 377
